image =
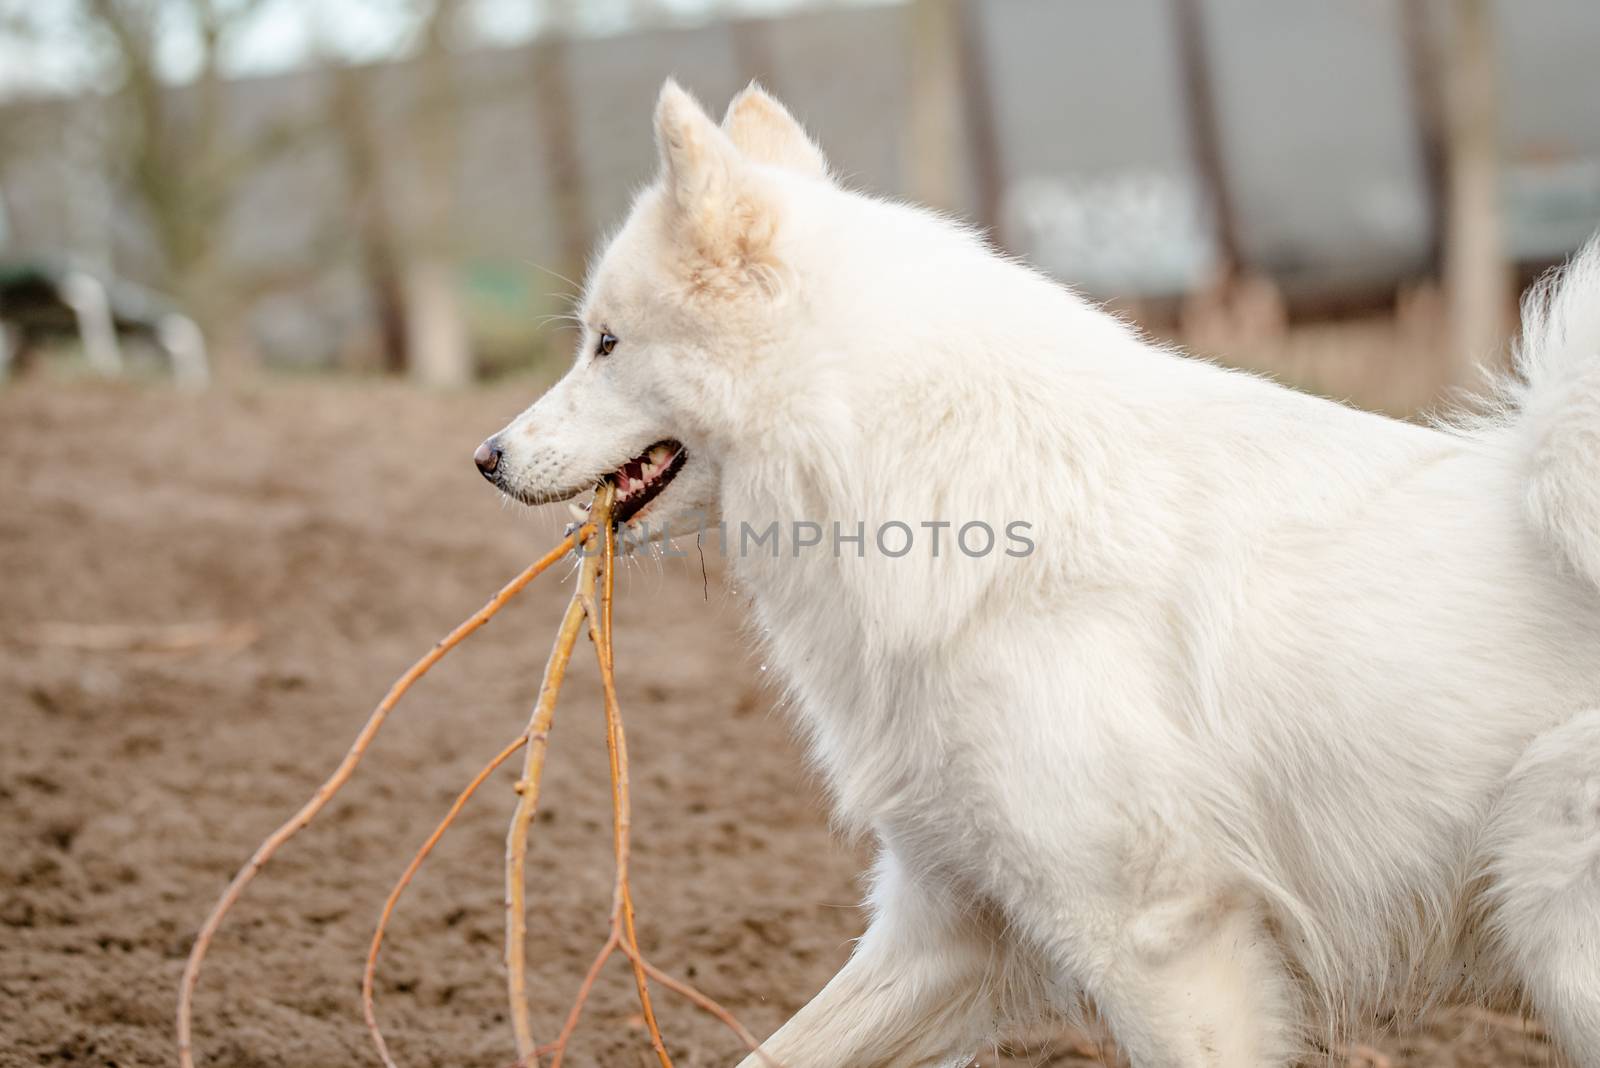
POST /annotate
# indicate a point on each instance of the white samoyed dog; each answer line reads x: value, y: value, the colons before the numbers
x: 1275, y: 720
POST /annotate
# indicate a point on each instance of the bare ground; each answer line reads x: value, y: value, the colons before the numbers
x: 321, y: 536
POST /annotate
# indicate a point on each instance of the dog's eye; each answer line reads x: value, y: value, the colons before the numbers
x: 606, y: 343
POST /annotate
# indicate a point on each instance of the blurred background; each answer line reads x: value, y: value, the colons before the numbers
x: 405, y: 186
x: 271, y: 269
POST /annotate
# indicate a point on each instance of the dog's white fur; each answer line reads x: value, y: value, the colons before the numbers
x: 1290, y: 722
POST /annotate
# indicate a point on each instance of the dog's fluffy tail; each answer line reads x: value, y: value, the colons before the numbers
x: 1555, y: 413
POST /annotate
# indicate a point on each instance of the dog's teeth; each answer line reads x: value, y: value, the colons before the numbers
x: 578, y: 511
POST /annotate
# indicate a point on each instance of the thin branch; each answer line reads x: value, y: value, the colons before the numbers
x: 370, y: 972
x: 585, y: 607
x: 621, y: 806
x: 527, y: 805
x: 325, y: 792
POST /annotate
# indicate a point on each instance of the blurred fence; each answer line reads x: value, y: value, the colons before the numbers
x: 425, y: 208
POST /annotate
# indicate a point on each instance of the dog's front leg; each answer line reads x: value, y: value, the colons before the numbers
x: 913, y: 994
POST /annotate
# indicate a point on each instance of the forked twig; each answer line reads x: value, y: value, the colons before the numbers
x: 528, y: 803
x: 264, y: 852
x: 623, y: 935
x: 585, y: 608
x: 711, y: 1008
x: 623, y: 932
x: 370, y: 972
x: 621, y: 793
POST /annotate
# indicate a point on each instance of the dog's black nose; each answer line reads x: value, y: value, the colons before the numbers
x: 487, y: 458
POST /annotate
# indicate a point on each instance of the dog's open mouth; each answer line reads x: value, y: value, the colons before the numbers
x: 641, y: 479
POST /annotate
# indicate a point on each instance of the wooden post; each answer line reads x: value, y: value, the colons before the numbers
x: 933, y: 129
x: 1424, y: 77
x: 983, y: 134
x: 752, y: 52
x: 1205, y: 135
x: 438, y: 343
x: 1477, y: 282
x: 555, y: 113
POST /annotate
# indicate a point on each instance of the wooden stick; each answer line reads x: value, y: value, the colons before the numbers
x: 527, y: 805
x: 621, y: 792
x: 341, y: 774
x: 623, y: 823
x: 622, y: 921
x: 571, y: 1024
x: 623, y: 935
x: 706, y: 1005
x: 369, y: 973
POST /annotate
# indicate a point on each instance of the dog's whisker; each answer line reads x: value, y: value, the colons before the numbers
x: 553, y: 273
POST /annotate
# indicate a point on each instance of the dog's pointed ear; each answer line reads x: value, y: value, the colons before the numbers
x: 762, y: 128
x: 720, y: 208
x: 700, y: 167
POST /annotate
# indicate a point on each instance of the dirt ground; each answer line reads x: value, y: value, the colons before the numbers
x: 319, y: 537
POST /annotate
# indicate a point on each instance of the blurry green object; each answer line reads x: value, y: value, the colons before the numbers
x: 515, y: 312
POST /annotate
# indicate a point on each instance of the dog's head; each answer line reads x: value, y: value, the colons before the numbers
x: 684, y: 318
